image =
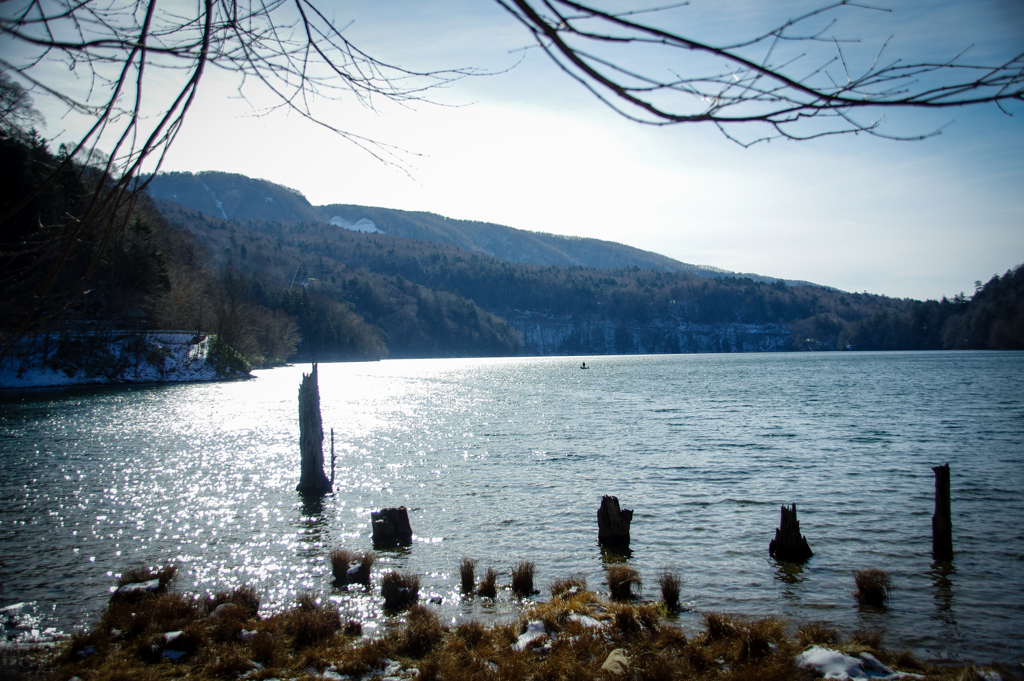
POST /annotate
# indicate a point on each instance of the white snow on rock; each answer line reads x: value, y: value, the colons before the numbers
x: 832, y: 664
x: 362, y: 225
x: 534, y: 630
x: 165, y: 357
x: 140, y: 587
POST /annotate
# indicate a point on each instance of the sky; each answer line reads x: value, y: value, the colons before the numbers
x: 530, y: 148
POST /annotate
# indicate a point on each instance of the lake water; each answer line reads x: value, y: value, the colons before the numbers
x: 504, y: 460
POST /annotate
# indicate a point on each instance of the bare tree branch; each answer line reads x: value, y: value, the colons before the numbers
x: 591, y: 45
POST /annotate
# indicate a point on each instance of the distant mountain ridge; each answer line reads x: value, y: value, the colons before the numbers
x: 237, y: 197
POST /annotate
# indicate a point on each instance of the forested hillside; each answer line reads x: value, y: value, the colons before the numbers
x: 992, y: 319
x: 601, y: 310
x: 237, y: 197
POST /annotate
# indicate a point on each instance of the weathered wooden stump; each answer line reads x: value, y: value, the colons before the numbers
x: 613, y: 523
x: 311, y: 438
x: 391, y: 527
x: 942, y: 523
x: 789, y: 546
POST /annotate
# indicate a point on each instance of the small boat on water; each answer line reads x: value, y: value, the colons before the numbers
x: 584, y: 366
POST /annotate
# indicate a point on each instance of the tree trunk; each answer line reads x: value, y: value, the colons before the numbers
x: 789, y: 546
x: 613, y: 523
x: 942, y: 523
x: 311, y: 438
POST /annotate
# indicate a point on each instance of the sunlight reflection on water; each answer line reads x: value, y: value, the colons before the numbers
x: 506, y: 459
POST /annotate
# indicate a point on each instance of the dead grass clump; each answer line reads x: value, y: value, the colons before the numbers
x: 817, y: 634
x: 670, y: 583
x: 154, y: 613
x: 774, y: 667
x: 621, y: 579
x: 353, y: 629
x: 902, y: 660
x: 567, y: 587
x: 359, y: 660
x: 263, y: 648
x: 348, y: 567
x: 341, y: 559
x: 422, y: 632
x: 720, y: 627
x: 472, y: 633
x: 244, y: 597
x: 468, y: 579
x: 311, y: 623
x: 228, y: 664
x: 671, y: 638
x: 873, y: 587
x: 228, y: 621
x: 400, y: 590
x: 488, y: 588
x: 758, y: 638
x: 142, y: 573
x: 871, y: 640
x: 700, y: 658
x: 522, y: 579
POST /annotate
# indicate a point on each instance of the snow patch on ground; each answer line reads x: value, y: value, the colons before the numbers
x: 166, y: 357
x: 832, y: 664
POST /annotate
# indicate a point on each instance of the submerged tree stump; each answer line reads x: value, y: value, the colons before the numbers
x: 942, y: 523
x: 789, y: 546
x: 311, y: 438
x: 613, y: 523
x: 391, y: 527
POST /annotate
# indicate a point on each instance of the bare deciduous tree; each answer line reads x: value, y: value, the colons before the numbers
x: 792, y: 81
x: 132, y: 69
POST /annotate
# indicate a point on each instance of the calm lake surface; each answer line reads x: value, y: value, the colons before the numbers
x: 504, y: 460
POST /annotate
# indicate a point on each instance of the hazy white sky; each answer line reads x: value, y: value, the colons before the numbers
x: 531, y: 149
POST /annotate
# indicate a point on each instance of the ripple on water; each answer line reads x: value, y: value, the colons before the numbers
x: 504, y: 460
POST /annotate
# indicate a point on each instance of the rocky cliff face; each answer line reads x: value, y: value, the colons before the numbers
x: 549, y: 335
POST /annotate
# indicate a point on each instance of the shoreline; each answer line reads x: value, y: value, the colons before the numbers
x: 150, y: 631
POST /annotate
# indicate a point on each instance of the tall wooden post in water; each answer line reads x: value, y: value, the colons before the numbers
x: 942, y: 523
x: 311, y: 438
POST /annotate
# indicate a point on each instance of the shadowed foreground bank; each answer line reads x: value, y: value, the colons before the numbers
x: 156, y: 633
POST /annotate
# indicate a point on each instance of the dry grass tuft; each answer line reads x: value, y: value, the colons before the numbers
x: 871, y: 640
x: 522, y: 579
x: 670, y: 583
x: 488, y: 588
x: 467, y: 569
x: 582, y: 630
x: 399, y: 590
x: 311, y: 623
x: 244, y: 597
x: 263, y: 648
x: 621, y: 579
x: 341, y: 560
x: 422, y: 632
x: 817, y: 634
x: 472, y: 633
x: 873, y: 587
x: 348, y: 567
x: 570, y: 586
x: 353, y: 629
x: 141, y: 573
x: 720, y: 627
